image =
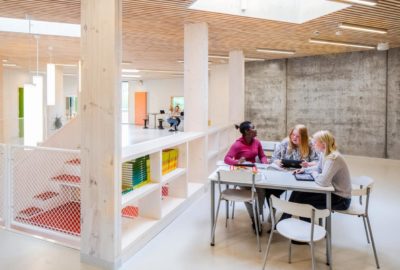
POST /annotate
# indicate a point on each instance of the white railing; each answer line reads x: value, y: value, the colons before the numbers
x: 44, y: 191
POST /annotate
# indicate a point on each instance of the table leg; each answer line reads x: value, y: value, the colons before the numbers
x: 329, y: 227
x: 212, y: 194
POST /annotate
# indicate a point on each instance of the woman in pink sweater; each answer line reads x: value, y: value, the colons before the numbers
x: 246, y: 149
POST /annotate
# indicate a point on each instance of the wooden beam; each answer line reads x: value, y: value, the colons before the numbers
x: 101, y: 133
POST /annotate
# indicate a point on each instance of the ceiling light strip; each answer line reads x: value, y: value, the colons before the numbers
x: 338, y: 43
x: 264, y: 50
x: 362, y: 28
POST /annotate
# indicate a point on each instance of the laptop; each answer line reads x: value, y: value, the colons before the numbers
x: 162, y: 111
x: 291, y: 163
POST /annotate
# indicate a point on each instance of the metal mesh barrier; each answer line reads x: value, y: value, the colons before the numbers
x: 45, y: 190
x: 2, y: 181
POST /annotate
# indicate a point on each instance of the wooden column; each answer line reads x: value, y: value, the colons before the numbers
x: 196, y: 77
x: 236, y: 86
x: 101, y: 132
x: 2, y: 101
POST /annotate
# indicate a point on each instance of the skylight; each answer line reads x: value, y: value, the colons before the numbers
x: 292, y: 11
x: 39, y: 27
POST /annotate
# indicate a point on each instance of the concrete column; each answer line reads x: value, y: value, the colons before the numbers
x: 2, y: 101
x: 196, y: 76
x: 101, y: 132
x: 236, y: 86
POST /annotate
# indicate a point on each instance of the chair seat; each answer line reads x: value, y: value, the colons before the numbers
x: 299, y: 230
x: 239, y: 195
x: 355, y: 209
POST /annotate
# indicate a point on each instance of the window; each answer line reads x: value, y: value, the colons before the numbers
x: 125, y: 103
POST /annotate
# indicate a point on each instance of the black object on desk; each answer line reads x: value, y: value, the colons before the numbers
x: 304, y: 177
x: 291, y: 163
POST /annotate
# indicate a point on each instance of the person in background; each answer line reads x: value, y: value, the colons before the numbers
x: 246, y: 149
x: 296, y: 146
x: 331, y: 170
x: 174, y: 119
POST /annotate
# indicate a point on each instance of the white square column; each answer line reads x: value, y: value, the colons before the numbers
x: 101, y: 132
x: 236, y: 86
x: 196, y: 76
x: 2, y: 101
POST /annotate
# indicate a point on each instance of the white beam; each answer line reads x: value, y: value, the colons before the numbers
x: 236, y: 86
x: 196, y: 76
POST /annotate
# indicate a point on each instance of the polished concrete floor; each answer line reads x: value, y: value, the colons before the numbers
x: 185, y: 243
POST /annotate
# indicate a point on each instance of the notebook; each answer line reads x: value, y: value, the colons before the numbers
x: 291, y: 163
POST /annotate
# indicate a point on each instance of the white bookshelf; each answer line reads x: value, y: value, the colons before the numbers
x: 156, y: 210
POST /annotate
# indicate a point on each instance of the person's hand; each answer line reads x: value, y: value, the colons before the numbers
x: 305, y: 164
x: 278, y: 162
x: 298, y: 171
x: 241, y: 160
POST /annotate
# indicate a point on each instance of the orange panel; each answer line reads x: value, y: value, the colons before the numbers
x: 140, y: 107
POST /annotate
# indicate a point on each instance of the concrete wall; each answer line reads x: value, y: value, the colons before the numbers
x: 393, y: 134
x: 265, y: 98
x: 345, y: 93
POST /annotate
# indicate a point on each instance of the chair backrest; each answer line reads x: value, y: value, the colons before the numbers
x: 361, y: 185
x: 269, y: 145
x: 237, y: 176
x: 298, y: 209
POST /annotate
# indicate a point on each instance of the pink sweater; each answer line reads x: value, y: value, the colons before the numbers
x: 249, y: 151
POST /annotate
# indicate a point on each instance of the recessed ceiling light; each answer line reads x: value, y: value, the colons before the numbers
x: 227, y: 57
x: 340, y: 43
x: 9, y: 65
x: 66, y: 65
x: 130, y: 70
x: 160, y: 71
x: 264, y: 50
x: 131, y: 76
x: 4, y: 60
x: 362, y: 28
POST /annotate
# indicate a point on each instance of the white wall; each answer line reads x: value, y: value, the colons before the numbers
x: 218, y: 95
x: 12, y: 79
x: 70, y: 86
x: 159, y: 92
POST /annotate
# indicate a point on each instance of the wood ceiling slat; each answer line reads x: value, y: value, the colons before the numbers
x: 153, y: 31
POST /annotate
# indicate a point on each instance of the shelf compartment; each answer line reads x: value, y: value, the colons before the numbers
x: 172, y: 175
x: 194, y: 187
x: 168, y: 204
x: 139, y: 193
x: 132, y: 229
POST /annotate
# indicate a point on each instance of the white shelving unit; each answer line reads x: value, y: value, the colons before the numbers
x: 185, y: 183
x: 219, y: 140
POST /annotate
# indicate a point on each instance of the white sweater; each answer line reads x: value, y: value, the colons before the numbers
x: 332, y: 170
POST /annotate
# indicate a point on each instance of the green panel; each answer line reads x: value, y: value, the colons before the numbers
x: 21, y: 102
x: 20, y: 112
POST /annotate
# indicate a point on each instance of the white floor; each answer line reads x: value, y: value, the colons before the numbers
x: 185, y: 243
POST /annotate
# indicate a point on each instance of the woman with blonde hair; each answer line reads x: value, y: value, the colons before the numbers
x: 331, y: 170
x: 296, y: 146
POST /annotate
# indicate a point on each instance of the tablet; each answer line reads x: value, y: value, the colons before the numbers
x: 304, y: 177
x: 291, y: 163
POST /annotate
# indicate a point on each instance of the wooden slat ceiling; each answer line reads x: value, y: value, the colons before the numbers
x: 153, y: 32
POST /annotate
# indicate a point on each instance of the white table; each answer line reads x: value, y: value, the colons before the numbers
x: 279, y: 180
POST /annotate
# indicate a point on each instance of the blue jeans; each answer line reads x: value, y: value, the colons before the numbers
x: 173, y: 122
